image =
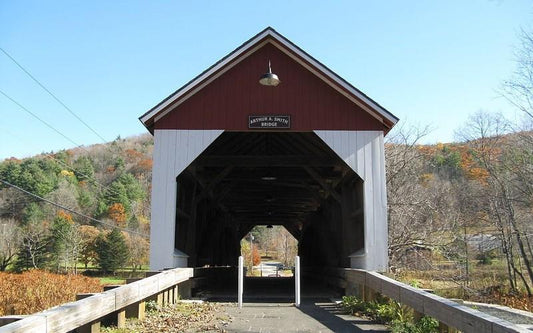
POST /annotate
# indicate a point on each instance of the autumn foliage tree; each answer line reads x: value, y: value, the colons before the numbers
x: 507, y: 193
x: 118, y: 214
x: 88, y: 254
x: 138, y: 247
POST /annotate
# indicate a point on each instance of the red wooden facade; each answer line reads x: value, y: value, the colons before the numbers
x: 227, y: 101
x: 226, y: 96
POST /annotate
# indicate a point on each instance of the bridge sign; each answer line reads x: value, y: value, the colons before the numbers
x: 269, y: 122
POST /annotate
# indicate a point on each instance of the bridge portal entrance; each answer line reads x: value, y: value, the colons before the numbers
x: 291, y: 179
x: 301, y: 148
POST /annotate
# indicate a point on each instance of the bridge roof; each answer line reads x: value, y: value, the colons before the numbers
x: 356, y: 111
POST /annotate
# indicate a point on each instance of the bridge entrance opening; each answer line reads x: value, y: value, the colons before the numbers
x: 288, y: 179
x: 269, y: 252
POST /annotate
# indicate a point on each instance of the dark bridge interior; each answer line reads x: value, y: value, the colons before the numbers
x: 244, y: 179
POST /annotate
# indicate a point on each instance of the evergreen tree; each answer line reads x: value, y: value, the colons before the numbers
x: 117, y: 193
x: 134, y: 190
x: 112, y: 251
x: 10, y: 171
x: 124, y: 190
x: 87, y: 200
x: 84, y: 169
x: 64, y: 243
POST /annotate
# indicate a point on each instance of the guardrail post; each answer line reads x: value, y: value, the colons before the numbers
x: 184, y: 289
x: 135, y: 310
x: 121, y: 318
x: 240, y: 281
x: 119, y: 315
x: 165, y: 297
x: 368, y: 294
x: 176, y: 294
x: 297, y: 281
x: 92, y: 327
x: 171, y: 295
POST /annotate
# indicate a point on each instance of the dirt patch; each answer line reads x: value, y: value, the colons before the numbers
x: 180, y: 317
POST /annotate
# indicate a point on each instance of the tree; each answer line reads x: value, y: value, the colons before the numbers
x: 117, y: 193
x: 9, y: 242
x: 34, y: 238
x: 416, y: 198
x: 112, y: 251
x: 89, y: 235
x: 84, y: 169
x: 285, y: 244
x: 65, y: 243
x: 250, y: 257
x: 117, y: 213
x: 86, y: 200
x: 66, y: 193
x: 124, y: 190
x: 138, y: 248
x: 38, y: 176
x: 506, y: 200
x: 12, y: 203
x: 518, y: 89
x: 32, y: 251
x: 10, y: 170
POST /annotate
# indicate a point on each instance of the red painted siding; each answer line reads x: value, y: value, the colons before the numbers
x: 227, y: 102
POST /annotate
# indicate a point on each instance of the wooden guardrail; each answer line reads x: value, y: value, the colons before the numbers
x: 129, y: 300
x: 452, y: 316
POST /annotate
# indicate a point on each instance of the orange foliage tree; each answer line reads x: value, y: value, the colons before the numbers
x: 133, y: 155
x: 118, y: 214
x: 66, y: 216
x: 88, y: 254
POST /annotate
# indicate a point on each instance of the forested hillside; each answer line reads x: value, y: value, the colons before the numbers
x: 454, y: 207
x: 457, y: 204
x: 108, y: 185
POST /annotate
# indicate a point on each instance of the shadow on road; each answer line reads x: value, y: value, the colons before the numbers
x: 331, y: 316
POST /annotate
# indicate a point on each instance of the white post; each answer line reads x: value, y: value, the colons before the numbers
x: 241, y: 275
x: 297, y: 281
x: 251, y: 255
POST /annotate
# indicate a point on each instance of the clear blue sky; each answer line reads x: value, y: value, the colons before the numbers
x: 428, y: 62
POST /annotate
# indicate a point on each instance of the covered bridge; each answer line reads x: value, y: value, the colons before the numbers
x: 303, y: 149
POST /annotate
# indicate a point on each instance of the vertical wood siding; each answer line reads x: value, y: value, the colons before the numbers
x: 364, y: 152
x: 229, y: 100
x: 174, y: 150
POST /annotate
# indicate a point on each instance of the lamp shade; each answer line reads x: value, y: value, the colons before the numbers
x: 269, y: 79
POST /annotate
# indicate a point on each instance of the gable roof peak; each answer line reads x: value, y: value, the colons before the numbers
x: 286, y: 46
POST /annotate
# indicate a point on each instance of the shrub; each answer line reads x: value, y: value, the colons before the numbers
x: 36, y: 290
x: 354, y: 305
x: 389, y: 312
x: 424, y: 325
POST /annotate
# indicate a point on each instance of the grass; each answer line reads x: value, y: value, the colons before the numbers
x: 110, y: 280
x: 486, y: 283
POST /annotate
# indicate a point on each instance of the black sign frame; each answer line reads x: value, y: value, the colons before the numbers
x: 269, y: 121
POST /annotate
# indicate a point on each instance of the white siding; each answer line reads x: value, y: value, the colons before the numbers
x: 364, y: 152
x: 174, y: 150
